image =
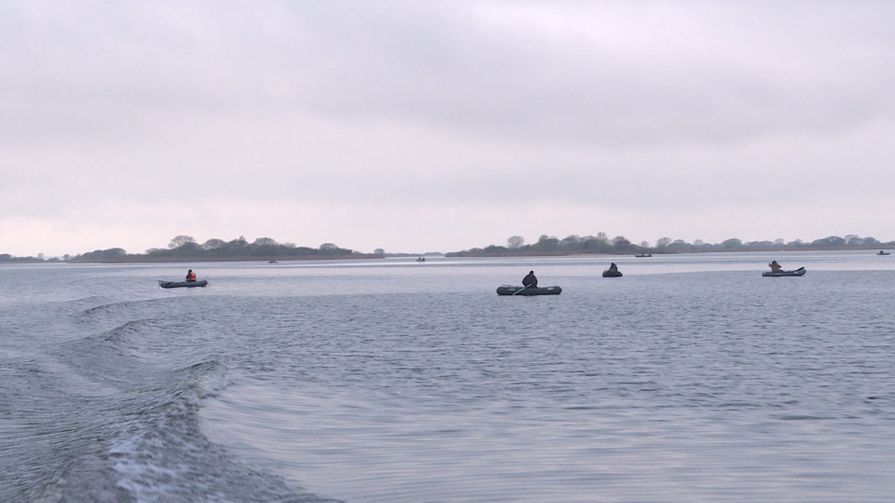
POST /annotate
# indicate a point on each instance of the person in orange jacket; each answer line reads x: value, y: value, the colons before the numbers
x: 190, y: 276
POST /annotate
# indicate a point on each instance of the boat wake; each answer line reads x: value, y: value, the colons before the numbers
x: 112, y: 415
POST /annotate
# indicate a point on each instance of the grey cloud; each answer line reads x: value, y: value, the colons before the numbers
x: 521, y: 86
x: 756, y: 70
x: 646, y: 106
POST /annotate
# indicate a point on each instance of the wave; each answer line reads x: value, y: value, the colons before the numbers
x: 147, y: 446
x: 103, y: 406
x: 107, y: 309
x: 109, y: 412
x: 162, y: 455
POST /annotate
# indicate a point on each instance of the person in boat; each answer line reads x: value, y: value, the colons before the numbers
x: 530, y: 281
x: 190, y: 276
x: 775, y: 267
x: 613, y: 267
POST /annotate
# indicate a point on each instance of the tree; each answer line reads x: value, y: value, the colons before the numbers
x: 100, y: 255
x: 589, y: 244
x: 731, y: 243
x: 514, y: 242
x: 265, y: 242
x: 213, y: 244
x: 178, y: 241
x: 329, y: 246
x: 828, y: 241
x: 663, y: 242
x: 546, y: 242
x: 621, y: 242
x: 572, y: 241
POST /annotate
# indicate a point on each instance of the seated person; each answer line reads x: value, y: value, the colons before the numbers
x: 530, y: 281
x: 190, y: 276
x: 775, y: 267
x: 613, y: 267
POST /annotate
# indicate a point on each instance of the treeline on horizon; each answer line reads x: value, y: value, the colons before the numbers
x: 186, y: 248
x: 602, y: 244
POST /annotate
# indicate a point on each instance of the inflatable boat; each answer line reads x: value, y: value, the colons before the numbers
x: 182, y: 284
x: 773, y: 274
x: 521, y: 290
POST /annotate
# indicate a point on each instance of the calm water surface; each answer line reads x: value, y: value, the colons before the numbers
x: 692, y: 378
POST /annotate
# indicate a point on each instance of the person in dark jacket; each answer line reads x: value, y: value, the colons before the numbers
x: 530, y: 281
x: 775, y: 267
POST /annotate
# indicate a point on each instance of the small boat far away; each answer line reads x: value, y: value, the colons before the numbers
x: 528, y: 291
x: 643, y: 255
x: 881, y: 252
x: 775, y: 274
x: 612, y: 272
x: 182, y: 284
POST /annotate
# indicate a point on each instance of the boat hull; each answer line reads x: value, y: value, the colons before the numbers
x: 182, y: 284
x: 612, y: 274
x: 518, y: 290
x: 771, y: 274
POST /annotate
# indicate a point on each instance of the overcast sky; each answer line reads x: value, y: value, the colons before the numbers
x: 419, y: 126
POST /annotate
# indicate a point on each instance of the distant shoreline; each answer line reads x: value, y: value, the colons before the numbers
x: 511, y: 254
x: 162, y: 260
x: 601, y: 245
x: 142, y: 259
x: 185, y: 249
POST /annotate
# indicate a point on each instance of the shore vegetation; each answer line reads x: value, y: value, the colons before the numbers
x: 185, y: 248
x: 620, y: 245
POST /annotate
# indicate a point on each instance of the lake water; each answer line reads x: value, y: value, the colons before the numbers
x: 692, y: 378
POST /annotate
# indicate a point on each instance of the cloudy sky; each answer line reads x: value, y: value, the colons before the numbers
x: 418, y: 126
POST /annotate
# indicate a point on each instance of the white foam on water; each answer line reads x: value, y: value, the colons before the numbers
x: 138, y: 472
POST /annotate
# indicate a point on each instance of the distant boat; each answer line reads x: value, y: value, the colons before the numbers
x: 421, y: 259
x: 774, y: 274
x: 528, y: 291
x: 182, y: 284
x: 612, y: 272
x: 272, y: 261
x: 881, y: 252
x: 643, y: 255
